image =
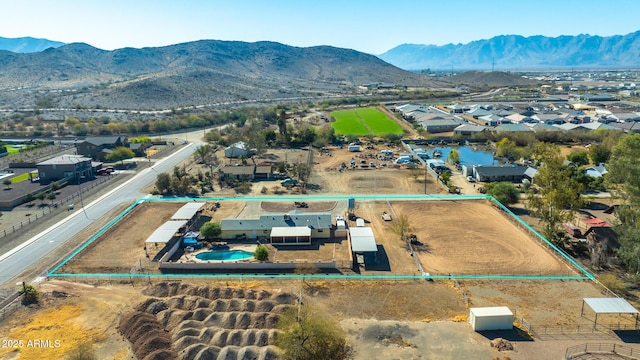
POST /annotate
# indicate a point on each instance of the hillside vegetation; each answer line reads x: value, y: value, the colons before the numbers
x: 201, y: 72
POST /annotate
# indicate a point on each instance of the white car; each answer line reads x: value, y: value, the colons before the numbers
x: 471, y: 179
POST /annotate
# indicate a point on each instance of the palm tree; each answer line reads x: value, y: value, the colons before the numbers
x: 202, y: 153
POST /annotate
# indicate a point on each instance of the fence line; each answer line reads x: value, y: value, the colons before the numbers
x: 601, y: 348
x: 467, y: 301
x: 522, y: 321
x: 9, y: 306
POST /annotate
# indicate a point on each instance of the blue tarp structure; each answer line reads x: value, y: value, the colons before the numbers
x: 191, y: 241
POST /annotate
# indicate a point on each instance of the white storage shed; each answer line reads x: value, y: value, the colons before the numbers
x: 491, y: 318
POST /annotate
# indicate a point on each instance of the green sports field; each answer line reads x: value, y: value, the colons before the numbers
x: 363, y: 122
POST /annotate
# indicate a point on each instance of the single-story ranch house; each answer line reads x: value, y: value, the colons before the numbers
x: 290, y: 229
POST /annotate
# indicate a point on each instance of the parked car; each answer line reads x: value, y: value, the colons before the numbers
x: 288, y: 182
x: 471, y: 179
x: 106, y: 171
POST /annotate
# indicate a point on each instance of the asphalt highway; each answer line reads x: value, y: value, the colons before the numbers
x: 33, y: 250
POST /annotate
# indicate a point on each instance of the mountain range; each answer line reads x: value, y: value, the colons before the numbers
x: 514, y: 52
x: 27, y: 44
x: 194, y: 73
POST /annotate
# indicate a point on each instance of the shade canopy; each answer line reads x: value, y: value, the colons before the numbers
x: 610, y: 306
x: 187, y: 211
x: 166, y: 232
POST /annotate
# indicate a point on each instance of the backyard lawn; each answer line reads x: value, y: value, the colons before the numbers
x: 364, y: 121
x: 19, y: 178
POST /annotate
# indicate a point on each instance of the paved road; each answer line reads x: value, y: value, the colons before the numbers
x: 30, y: 252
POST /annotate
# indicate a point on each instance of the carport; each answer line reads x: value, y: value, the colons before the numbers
x: 166, y: 232
x: 609, y: 306
x: 187, y: 211
x: 363, y: 242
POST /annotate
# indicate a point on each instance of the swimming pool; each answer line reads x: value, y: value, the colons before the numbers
x: 224, y: 255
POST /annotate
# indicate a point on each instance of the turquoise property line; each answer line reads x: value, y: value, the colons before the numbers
x: 328, y: 276
x: 588, y: 275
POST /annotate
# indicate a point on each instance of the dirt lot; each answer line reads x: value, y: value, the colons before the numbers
x: 475, y: 238
x: 329, y: 176
x: 122, y: 246
x: 382, y: 319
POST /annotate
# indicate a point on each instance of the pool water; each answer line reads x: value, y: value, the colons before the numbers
x: 224, y: 255
x: 469, y: 155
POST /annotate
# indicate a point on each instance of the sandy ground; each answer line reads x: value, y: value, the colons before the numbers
x: 384, y: 178
x: 473, y: 237
x: 381, y: 319
x: 123, y: 245
x: 71, y: 313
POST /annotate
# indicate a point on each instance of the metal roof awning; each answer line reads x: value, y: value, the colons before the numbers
x: 610, y: 306
x: 362, y: 240
x: 187, y: 211
x: 291, y: 231
x: 166, y: 231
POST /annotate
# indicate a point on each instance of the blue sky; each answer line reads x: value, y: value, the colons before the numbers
x: 372, y: 26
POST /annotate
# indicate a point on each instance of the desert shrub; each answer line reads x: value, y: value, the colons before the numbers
x: 613, y: 283
x: 261, y: 253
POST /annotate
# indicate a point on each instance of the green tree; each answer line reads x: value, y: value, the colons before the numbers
x: 308, y: 336
x: 255, y: 137
x: 624, y: 179
x: 445, y: 176
x: 454, y: 157
x: 261, y: 253
x: 51, y: 195
x: 7, y: 183
x: 282, y: 122
x: 120, y: 154
x: 210, y: 230
x: 506, y: 148
x: 401, y: 226
x: 301, y: 171
x: 29, y: 294
x: 29, y: 198
x: 202, y: 153
x: 163, y: 183
x: 559, y: 194
x: 505, y: 192
x: 599, y: 153
x: 579, y: 158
